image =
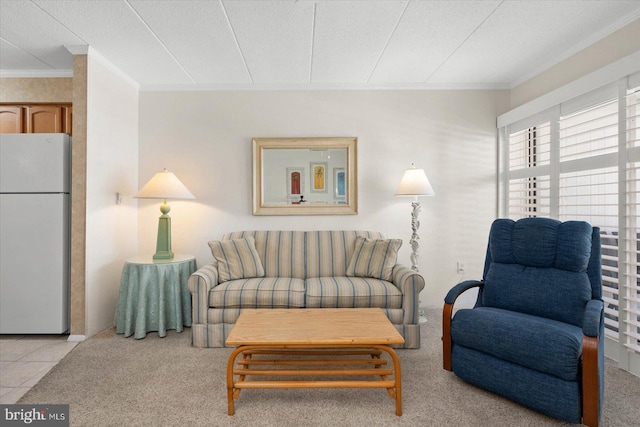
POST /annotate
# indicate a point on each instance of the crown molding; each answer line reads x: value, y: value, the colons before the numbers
x: 77, y: 49
x: 36, y: 73
x: 320, y: 87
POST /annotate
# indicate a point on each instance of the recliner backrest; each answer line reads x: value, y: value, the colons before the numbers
x: 539, y: 266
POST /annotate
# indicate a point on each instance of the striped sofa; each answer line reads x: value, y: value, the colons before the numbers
x: 302, y: 269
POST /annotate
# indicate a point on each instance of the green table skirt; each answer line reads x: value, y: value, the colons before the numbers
x: 154, y: 297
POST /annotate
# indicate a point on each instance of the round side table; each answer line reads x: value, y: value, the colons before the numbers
x: 154, y: 295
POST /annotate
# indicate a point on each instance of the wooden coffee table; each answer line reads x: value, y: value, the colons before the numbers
x: 320, y: 343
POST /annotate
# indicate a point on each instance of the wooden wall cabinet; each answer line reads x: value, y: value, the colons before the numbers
x: 39, y: 118
x: 11, y: 119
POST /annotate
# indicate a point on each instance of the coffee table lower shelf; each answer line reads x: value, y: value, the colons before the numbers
x: 316, y: 361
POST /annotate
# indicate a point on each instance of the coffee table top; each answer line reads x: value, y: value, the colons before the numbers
x: 313, y: 326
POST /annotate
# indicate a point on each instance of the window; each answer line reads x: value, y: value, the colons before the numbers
x: 580, y: 160
x: 529, y: 190
x: 631, y: 292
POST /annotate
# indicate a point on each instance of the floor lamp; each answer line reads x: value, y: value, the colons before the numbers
x: 414, y: 183
x: 164, y: 185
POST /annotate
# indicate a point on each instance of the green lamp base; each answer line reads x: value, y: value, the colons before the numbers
x: 163, y: 244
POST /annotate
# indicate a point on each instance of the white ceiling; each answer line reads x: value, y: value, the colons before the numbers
x: 219, y: 44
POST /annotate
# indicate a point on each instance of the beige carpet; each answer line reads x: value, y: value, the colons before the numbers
x: 110, y: 380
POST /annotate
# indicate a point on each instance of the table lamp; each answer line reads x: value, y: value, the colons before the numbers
x: 414, y: 183
x: 164, y: 185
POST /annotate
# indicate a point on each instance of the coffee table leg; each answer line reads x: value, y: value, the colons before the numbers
x: 231, y: 395
x: 397, y: 393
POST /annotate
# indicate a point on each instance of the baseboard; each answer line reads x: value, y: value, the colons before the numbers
x: 76, y: 338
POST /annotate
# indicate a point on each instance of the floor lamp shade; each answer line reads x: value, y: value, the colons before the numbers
x: 164, y: 185
x: 414, y: 183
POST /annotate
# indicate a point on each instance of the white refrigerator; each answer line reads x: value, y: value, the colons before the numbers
x: 34, y: 233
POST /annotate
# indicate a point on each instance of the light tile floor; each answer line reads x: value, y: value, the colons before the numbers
x: 25, y: 359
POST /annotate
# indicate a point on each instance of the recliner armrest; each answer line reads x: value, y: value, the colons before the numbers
x: 592, y: 318
x: 461, y: 287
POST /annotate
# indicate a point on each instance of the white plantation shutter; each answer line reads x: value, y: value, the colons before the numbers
x: 589, y: 132
x: 529, y: 197
x: 580, y: 160
x: 631, y: 291
x: 529, y: 184
x: 590, y: 191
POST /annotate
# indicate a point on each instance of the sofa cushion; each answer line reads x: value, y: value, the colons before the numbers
x: 351, y: 292
x: 265, y: 292
x: 328, y: 252
x: 237, y: 259
x: 374, y: 258
x: 537, y: 343
x: 282, y: 252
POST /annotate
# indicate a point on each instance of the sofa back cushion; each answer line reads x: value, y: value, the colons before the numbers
x: 281, y: 252
x: 374, y: 258
x: 303, y: 254
x: 328, y: 252
x: 237, y: 259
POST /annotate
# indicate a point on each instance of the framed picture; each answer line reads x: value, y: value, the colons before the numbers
x: 295, y: 182
x: 339, y: 183
x: 318, y: 177
x: 278, y: 163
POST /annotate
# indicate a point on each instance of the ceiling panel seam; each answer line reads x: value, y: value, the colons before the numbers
x: 384, y: 49
x: 313, y: 39
x: 55, y: 19
x: 235, y: 39
x: 28, y: 53
x: 135, y: 12
x: 463, y: 42
x: 59, y: 23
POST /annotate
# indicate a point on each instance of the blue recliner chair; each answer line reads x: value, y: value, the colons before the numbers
x: 536, y: 332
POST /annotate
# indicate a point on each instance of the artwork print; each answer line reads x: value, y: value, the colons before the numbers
x: 295, y: 182
x: 318, y: 177
x: 339, y: 183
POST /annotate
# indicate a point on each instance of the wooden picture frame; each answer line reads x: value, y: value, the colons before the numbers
x: 274, y: 157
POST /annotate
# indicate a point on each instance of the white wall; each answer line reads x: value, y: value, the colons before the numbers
x: 112, y: 164
x: 615, y: 46
x: 205, y: 138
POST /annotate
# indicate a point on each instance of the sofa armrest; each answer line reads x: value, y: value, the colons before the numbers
x: 199, y: 284
x: 410, y: 283
x: 592, y: 318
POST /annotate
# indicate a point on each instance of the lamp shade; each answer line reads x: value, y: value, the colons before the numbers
x: 414, y: 183
x: 164, y: 185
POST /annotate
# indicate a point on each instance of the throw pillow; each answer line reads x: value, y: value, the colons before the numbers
x: 374, y: 258
x: 237, y: 259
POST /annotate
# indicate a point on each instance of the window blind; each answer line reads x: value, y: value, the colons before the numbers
x: 590, y: 132
x: 592, y: 196
x: 631, y: 319
x: 591, y: 193
x: 529, y: 195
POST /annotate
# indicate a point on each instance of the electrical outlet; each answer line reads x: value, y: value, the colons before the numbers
x: 460, y: 267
